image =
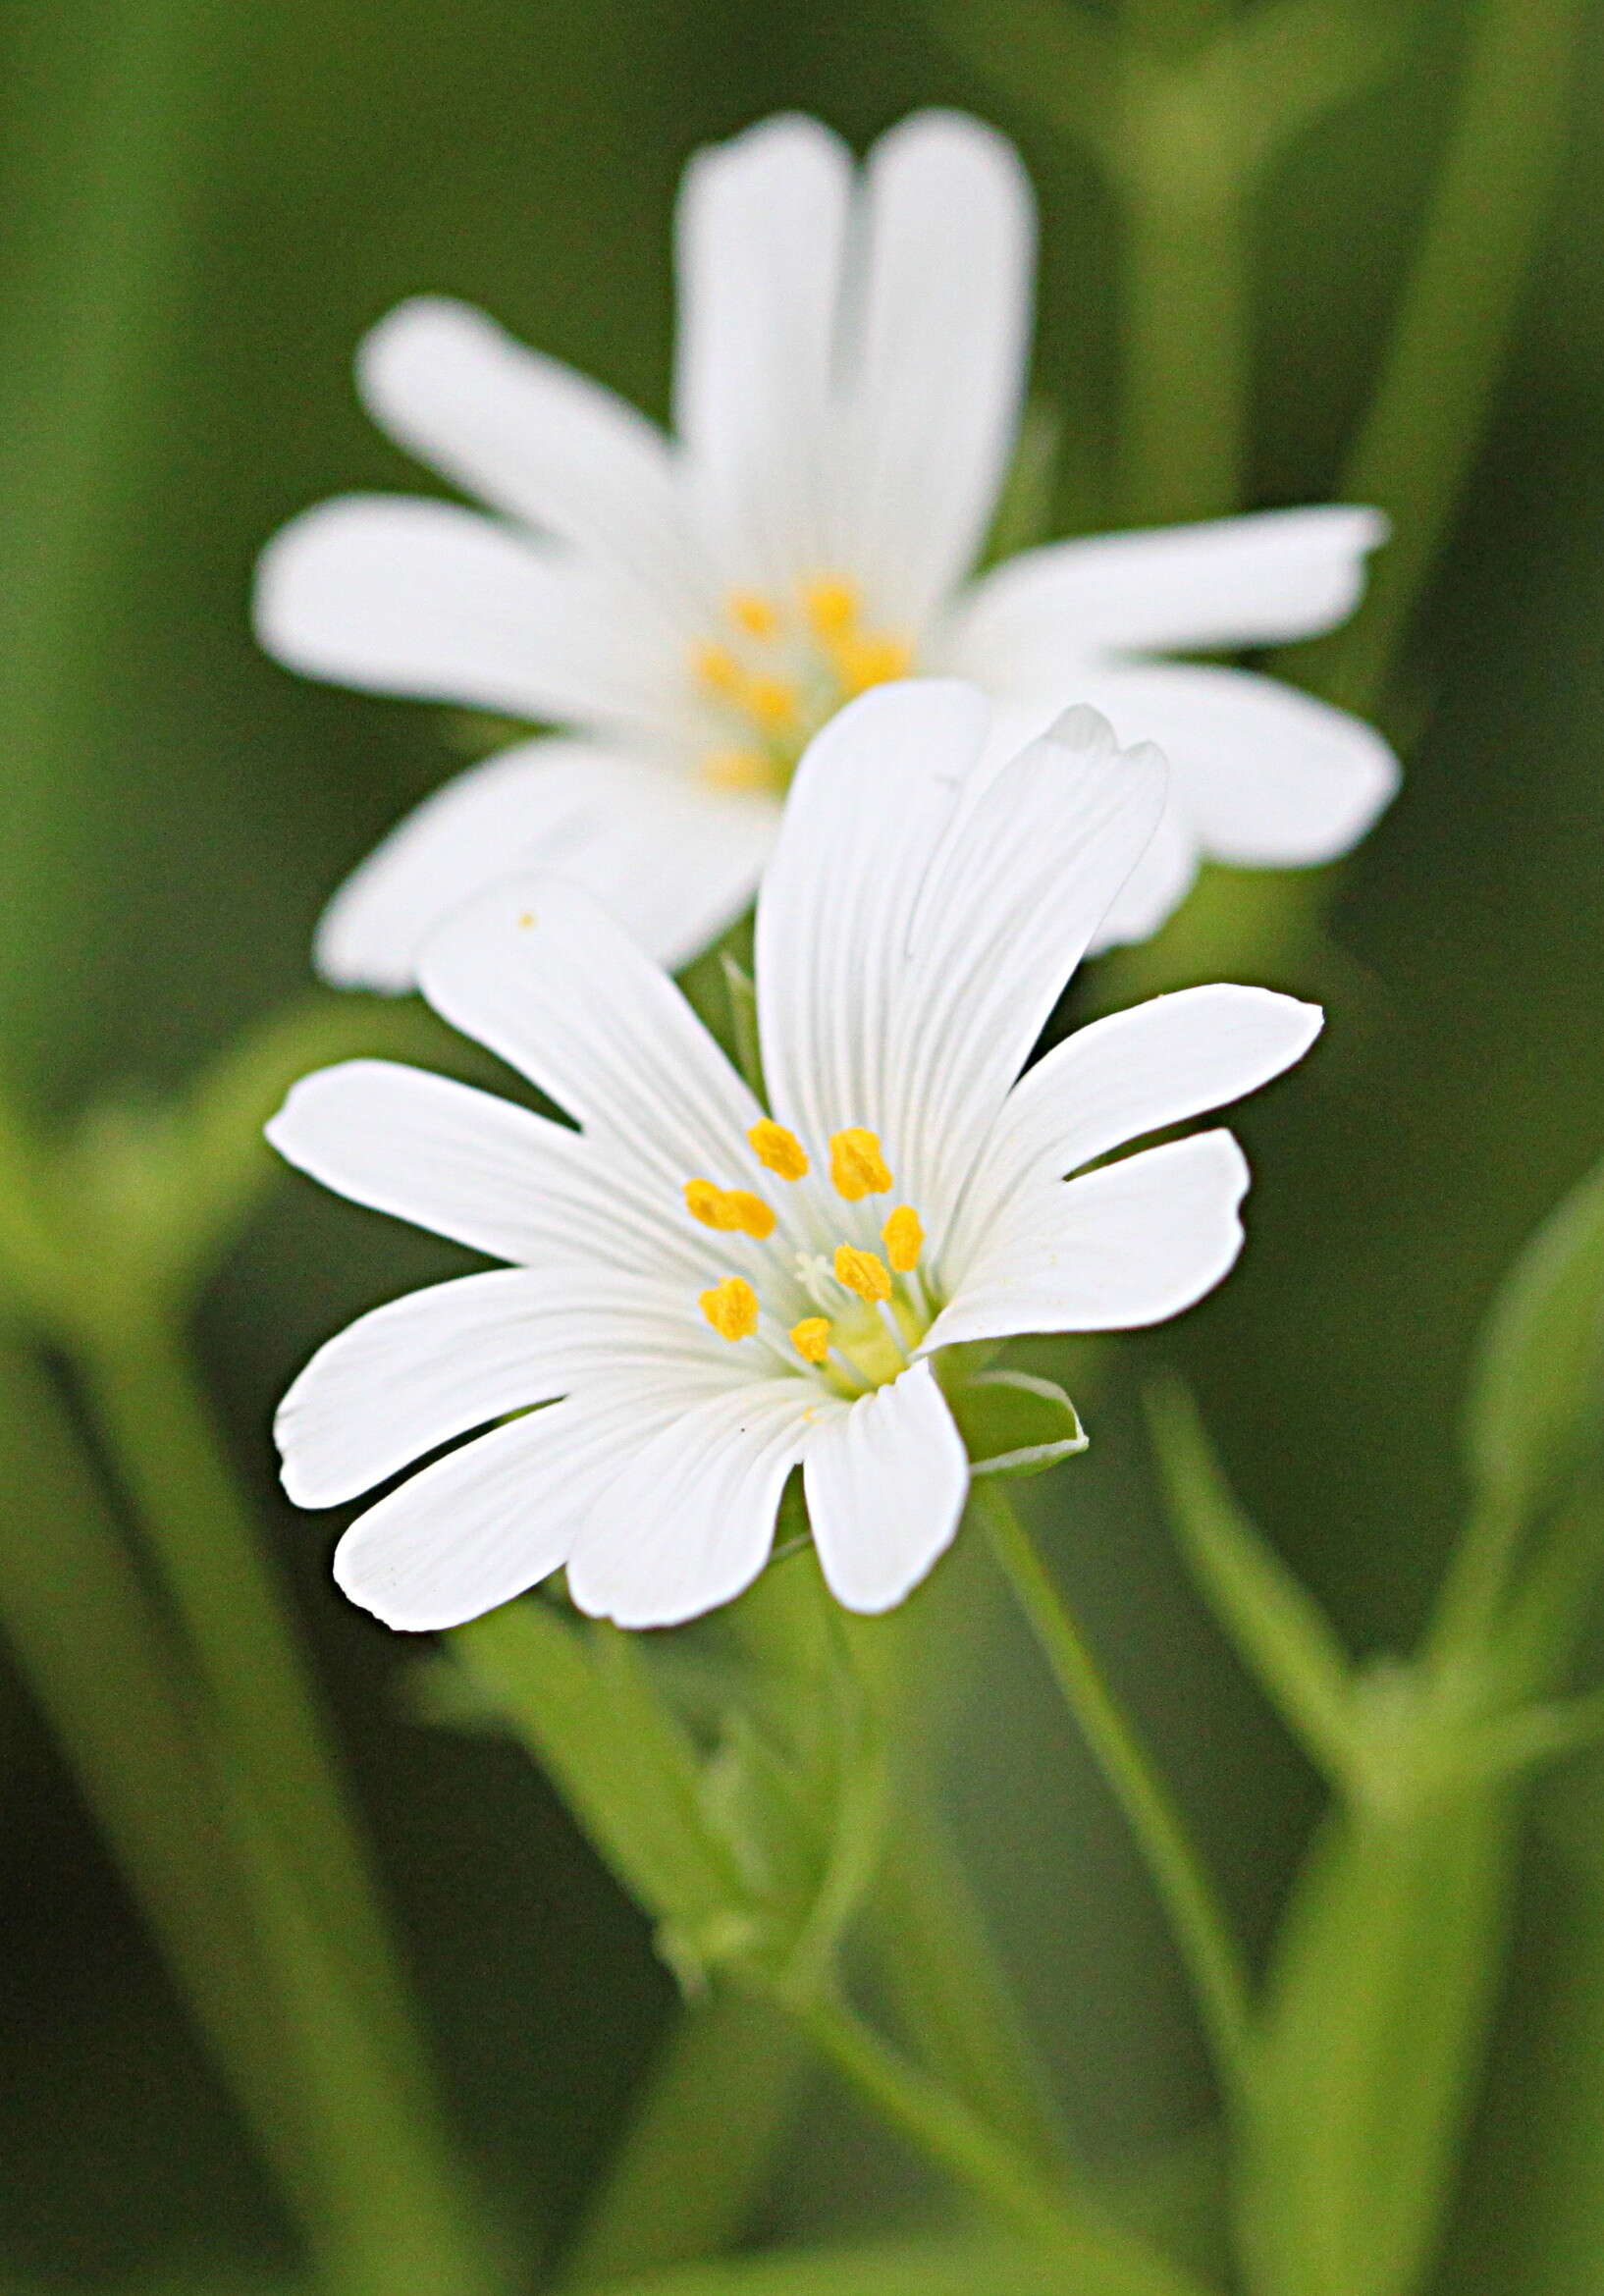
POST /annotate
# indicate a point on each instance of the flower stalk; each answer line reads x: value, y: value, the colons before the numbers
x: 1202, y: 1935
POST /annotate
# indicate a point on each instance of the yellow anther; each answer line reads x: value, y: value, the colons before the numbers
x: 710, y: 1204
x: 811, y: 1338
x: 903, y: 1235
x: 866, y: 662
x: 731, y: 1307
x: 719, y: 668
x: 863, y: 1272
x: 738, y: 768
x: 771, y: 701
x: 831, y: 604
x: 753, y: 1216
x: 728, y: 1209
x: 752, y: 612
x: 856, y: 1167
x: 778, y: 1150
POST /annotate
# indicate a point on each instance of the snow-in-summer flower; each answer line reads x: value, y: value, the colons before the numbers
x: 847, y: 387
x: 705, y: 1292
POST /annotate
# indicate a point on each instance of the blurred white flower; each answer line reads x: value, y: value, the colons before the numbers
x: 716, y: 1292
x: 846, y: 396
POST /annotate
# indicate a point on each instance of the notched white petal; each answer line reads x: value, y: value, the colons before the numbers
x: 885, y: 1483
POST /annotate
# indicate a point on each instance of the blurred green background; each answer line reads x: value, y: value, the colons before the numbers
x: 203, y: 208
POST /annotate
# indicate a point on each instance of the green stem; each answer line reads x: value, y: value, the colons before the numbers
x: 124, y: 104
x: 672, y: 2194
x: 1207, y: 1947
x: 1429, y: 412
x: 100, y: 1664
x: 1472, y: 1593
x: 1186, y: 301
x: 1003, y: 2180
x: 948, y: 1991
x: 311, y: 1877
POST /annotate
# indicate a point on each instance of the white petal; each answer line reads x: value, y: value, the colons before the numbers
x: 919, y: 919
x: 689, y: 1521
x: 1157, y: 886
x: 934, y: 378
x: 436, y: 1363
x: 533, y: 439
x: 469, y: 1165
x: 885, y: 1484
x: 874, y: 797
x: 1121, y: 1078
x: 1230, y: 582
x: 759, y: 233
x: 495, y: 1516
x: 412, y: 597
x: 1268, y: 777
x: 535, y: 969
x: 672, y: 860
x: 1131, y: 1244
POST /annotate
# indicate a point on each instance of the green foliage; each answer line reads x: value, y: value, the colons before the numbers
x: 1370, y: 2039
x: 1015, y: 1423
x: 1278, y: 1631
x: 1535, y: 1426
x: 749, y: 1849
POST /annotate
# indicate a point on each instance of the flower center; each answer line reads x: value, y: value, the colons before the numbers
x: 849, y: 1305
x: 779, y: 668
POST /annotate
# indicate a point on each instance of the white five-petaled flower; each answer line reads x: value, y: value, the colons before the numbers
x: 704, y: 1292
x: 848, y: 378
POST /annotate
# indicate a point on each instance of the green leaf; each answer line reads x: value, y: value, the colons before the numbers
x: 1369, y: 2047
x: 1281, y: 1633
x: 1014, y: 1423
x: 1534, y: 1426
x: 582, y: 1701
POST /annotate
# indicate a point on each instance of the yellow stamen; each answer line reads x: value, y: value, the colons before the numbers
x: 771, y: 702
x: 728, y: 1209
x: 738, y: 768
x: 856, y: 1167
x: 753, y: 1216
x: 718, y: 667
x: 863, y: 1272
x: 866, y: 662
x: 811, y: 1338
x: 752, y: 612
x: 831, y: 605
x: 903, y: 1235
x: 778, y: 1150
x: 708, y: 1205
x: 731, y: 1307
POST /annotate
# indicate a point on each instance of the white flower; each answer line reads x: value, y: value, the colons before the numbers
x: 703, y: 1293
x: 846, y: 395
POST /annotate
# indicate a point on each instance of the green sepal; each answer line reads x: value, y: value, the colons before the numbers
x: 1014, y: 1423
x: 1534, y: 1420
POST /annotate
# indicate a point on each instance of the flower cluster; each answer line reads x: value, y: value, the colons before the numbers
x: 775, y: 661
